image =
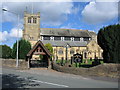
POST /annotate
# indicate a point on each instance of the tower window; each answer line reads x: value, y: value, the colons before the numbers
x: 34, y: 20
x: 29, y: 19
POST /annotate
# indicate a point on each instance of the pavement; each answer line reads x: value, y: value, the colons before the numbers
x: 44, y: 78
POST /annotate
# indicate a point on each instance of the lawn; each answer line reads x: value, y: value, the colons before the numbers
x: 84, y: 63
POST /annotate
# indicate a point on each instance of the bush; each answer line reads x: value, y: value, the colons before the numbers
x: 5, y: 51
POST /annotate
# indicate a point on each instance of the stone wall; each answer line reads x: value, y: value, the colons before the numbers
x: 109, y: 70
x: 12, y: 63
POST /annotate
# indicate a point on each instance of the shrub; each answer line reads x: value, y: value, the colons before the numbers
x: 5, y: 51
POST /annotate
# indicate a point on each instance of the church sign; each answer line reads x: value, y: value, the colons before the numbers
x: 77, y: 58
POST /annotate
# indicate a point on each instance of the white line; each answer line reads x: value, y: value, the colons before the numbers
x: 49, y: 83
x: 86, y: 78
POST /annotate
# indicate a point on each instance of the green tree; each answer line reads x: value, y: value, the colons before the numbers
x: 5, y: 51
x: 24, y: 48
x: 109, y: 41
x: 50, y: 48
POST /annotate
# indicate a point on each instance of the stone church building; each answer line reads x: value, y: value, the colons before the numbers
x: 65, y: 42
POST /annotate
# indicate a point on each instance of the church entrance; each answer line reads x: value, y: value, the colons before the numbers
x: 42, y: 62
x: 39, y: 56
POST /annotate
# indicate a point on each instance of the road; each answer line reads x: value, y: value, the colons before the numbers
x: 43, y: 78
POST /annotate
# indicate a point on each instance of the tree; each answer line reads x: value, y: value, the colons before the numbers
x: 24, y: 48
x: 50, y: 48
x: 109, y: 41
x: 5, y: 51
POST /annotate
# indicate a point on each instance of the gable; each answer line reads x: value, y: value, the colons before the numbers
x: 39, y: 49
x: 93, y: 46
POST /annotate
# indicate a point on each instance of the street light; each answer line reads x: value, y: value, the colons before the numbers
x: 17, y: 34
x: 66, y: 52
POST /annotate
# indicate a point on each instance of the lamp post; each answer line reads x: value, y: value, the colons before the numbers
x: 66, y: 52
x: 17, y: 62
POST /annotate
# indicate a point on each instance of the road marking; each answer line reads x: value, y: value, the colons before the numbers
x: 86, y: 78
x: 48, y: 83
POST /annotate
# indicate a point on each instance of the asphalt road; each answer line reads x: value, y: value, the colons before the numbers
x: 42, y: 78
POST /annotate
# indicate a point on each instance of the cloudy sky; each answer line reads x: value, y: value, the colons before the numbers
x: 88, y: 15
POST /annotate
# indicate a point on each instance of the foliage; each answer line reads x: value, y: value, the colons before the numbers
x: 41, y: 57
x: 49, y: 47
x: 5, y: 51
x: 109, y: 41
x: 24, y: 48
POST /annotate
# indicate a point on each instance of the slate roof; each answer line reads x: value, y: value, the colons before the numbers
x: 64, y: 32
x: 91, y: 33
x: 64, y: 43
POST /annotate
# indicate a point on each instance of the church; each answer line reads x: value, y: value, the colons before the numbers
x: 65, y: 42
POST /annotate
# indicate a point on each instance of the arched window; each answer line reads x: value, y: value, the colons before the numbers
x: 34, y: 20
x: 60, y: 51
x: 72, y: 51
x: 29, y: 19
x: 89, y: 52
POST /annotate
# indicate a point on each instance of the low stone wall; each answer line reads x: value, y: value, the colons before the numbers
x: 109, y: 70
x: 12, y: 63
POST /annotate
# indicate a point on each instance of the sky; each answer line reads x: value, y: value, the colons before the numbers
x: 70, y: 14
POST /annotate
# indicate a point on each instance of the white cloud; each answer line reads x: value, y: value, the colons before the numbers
x: 52, y: 13
x: 16, y: 33
x: 99, y: 12
x: 107, y: 0
x: 4, y: 36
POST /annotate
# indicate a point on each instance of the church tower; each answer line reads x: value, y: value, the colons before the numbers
x: 31, y: 30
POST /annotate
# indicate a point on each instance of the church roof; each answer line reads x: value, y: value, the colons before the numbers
x: 64, y: 43
x: 91, y: 33
x: 64, y: 32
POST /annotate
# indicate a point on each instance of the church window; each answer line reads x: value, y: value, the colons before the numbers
x: 76, y: 39
x: 72, y: 51
x: 67, y: 38
x: 57, y: 38
x: 60, y: 51
x: 29, y: 19
x: 86, y: 39
x: 34, y: 20
x: 46, y: 38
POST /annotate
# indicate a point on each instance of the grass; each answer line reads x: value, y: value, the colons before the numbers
x: 83, y: 64
x: 59, y: 61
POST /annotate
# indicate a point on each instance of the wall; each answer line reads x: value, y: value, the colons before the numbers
x: 109, y: 70
x: 12, y: 63
x: 94, y: 49
x: 56, y: 50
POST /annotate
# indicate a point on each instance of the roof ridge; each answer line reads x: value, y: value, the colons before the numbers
x: 64, y: 29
